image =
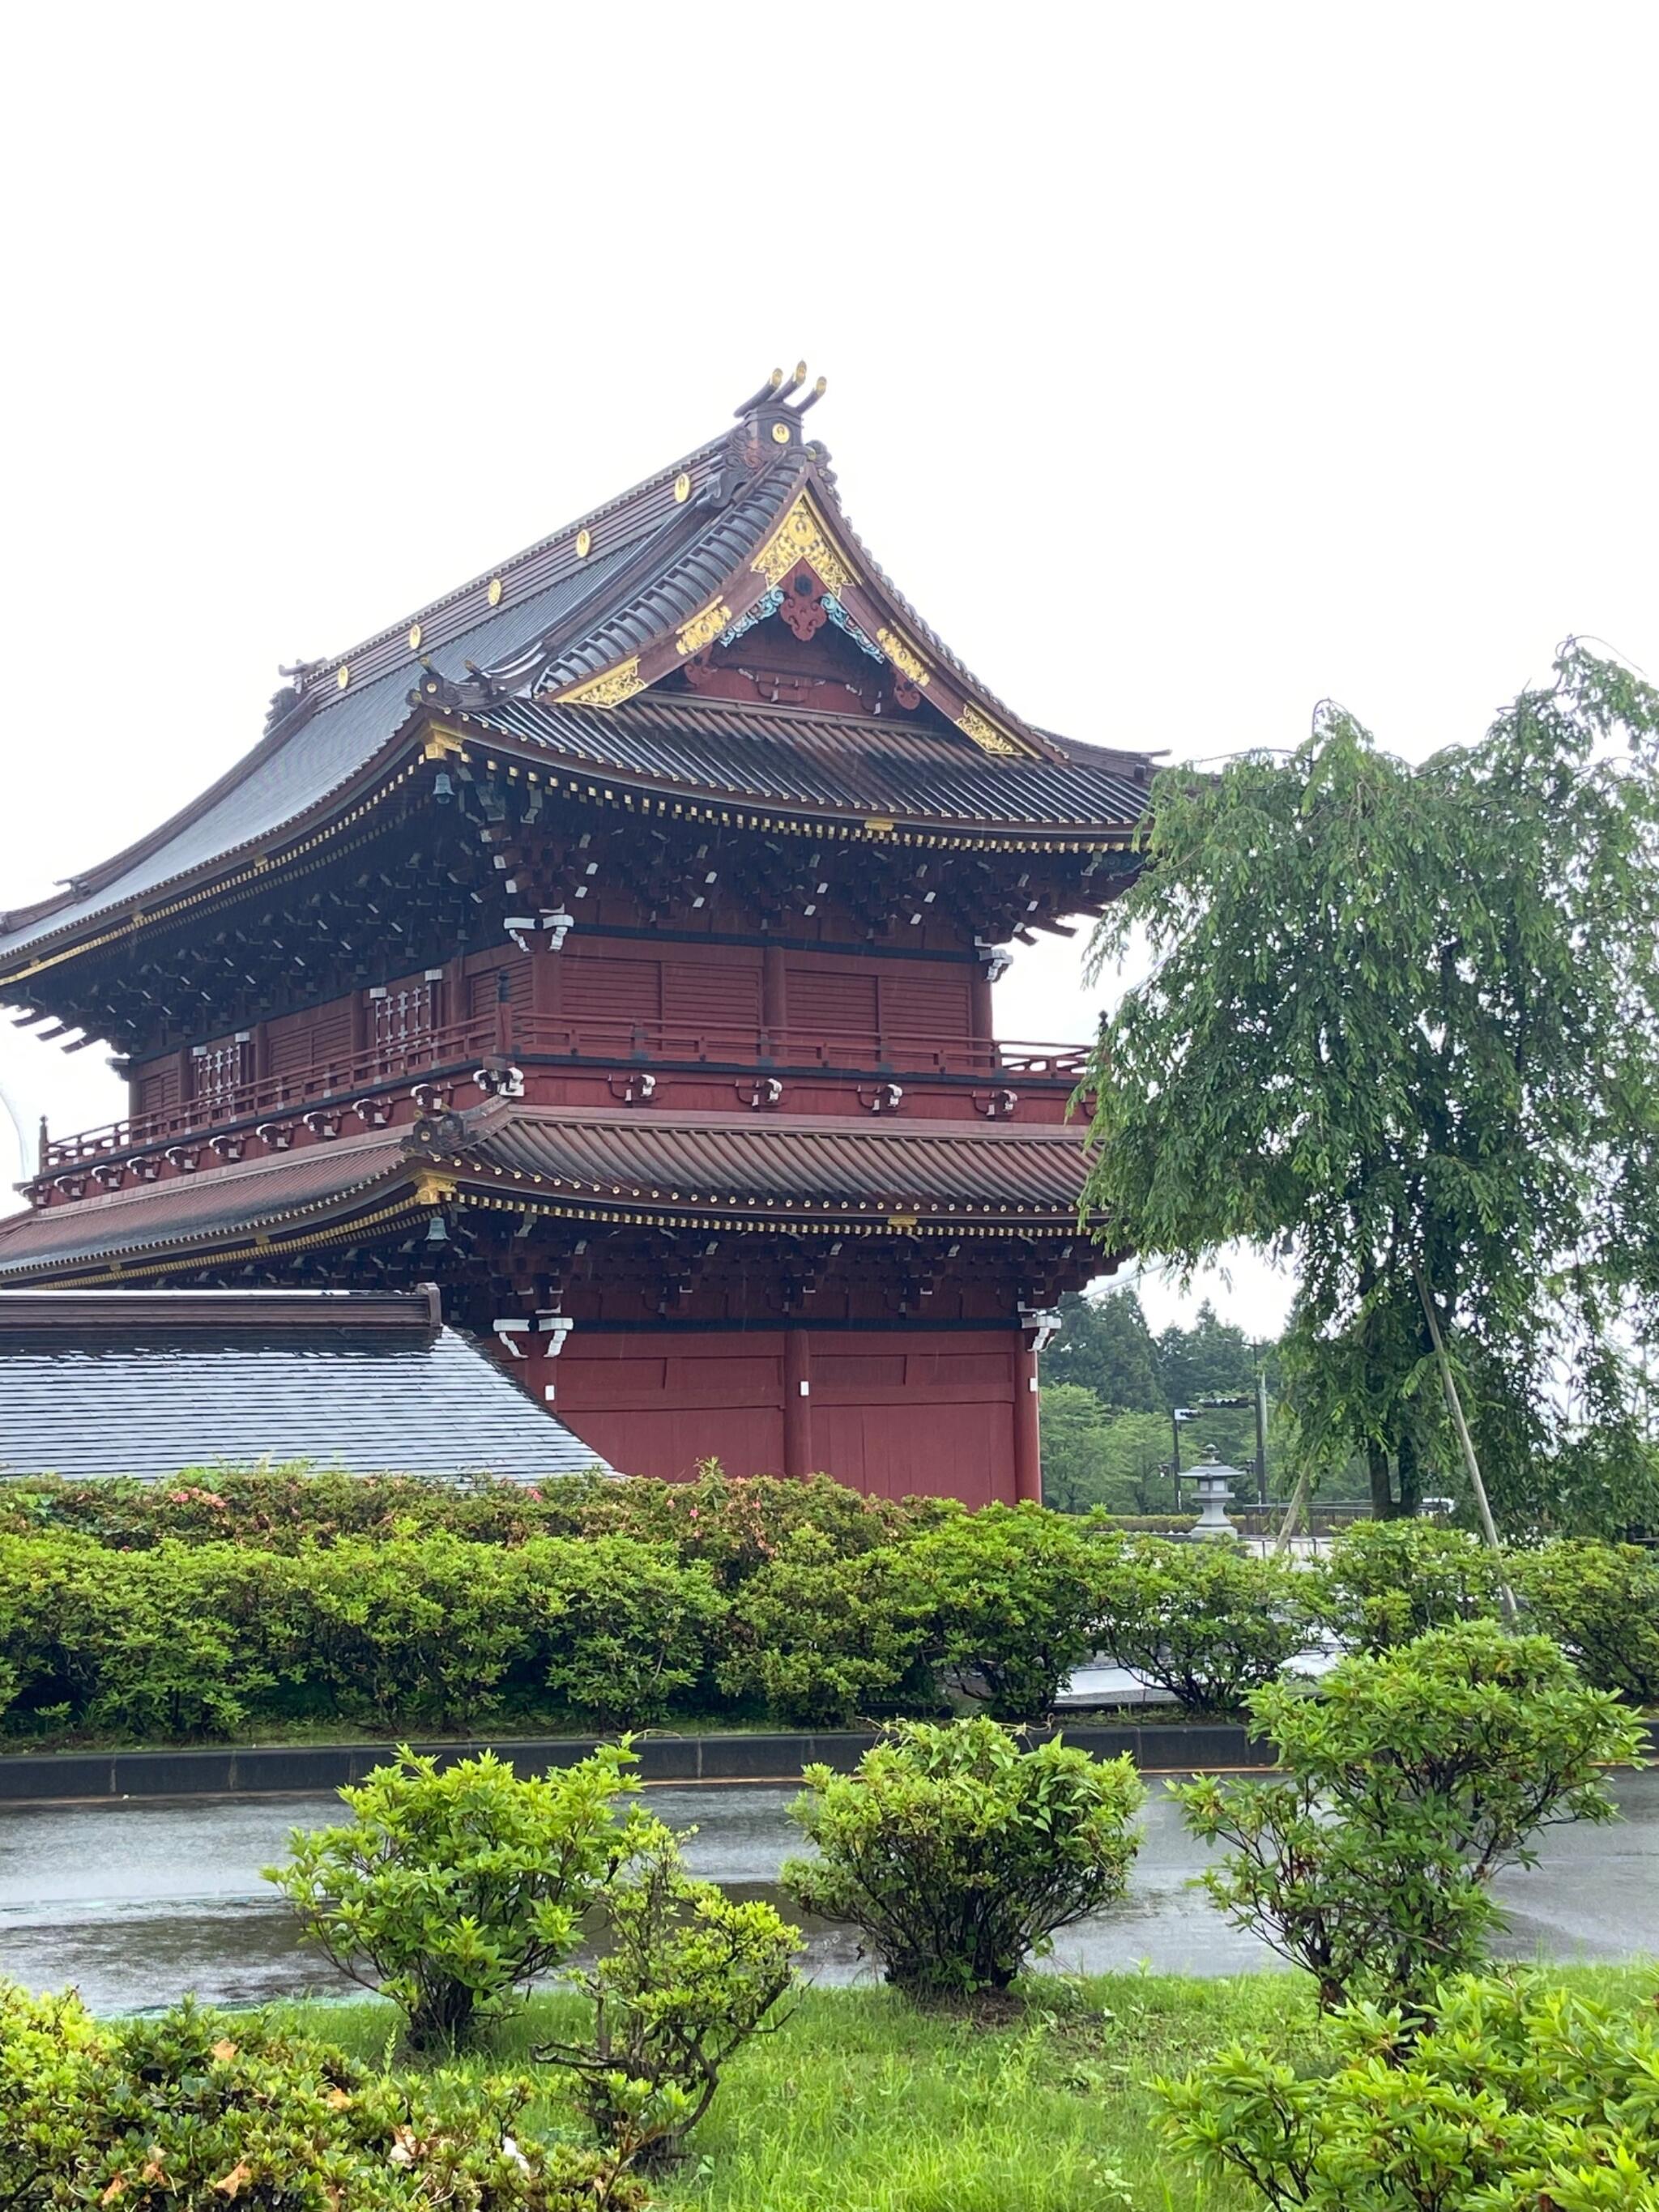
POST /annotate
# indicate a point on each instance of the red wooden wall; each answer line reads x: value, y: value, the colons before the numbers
x: 891, y: 1412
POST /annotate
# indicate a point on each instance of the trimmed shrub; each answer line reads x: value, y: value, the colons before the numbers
x: 1412, y: 1779
x: 1386, y: 1582
x: 620, y: 1630
x: 736, y: 1526
x: 166, y: 1643
x: 733, y: 1526
x: 691, y: 1977
x: 426, y: 1629
x: 961, y: 1855
x: 1206, y: 1622
x: 195, y: 2108
x: 1600, y: 1603
x: 1508, y: 2097
x: 450, y: 1891
x: 1013, y: 1594
x: 824, y: 1638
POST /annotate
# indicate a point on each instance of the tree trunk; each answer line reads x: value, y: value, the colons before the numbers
x: 1411, y: 1477
x: 1382, y: 1499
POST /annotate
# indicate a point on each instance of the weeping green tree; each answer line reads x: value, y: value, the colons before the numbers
x: 1401, y: 1028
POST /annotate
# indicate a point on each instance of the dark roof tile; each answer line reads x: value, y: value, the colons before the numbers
x: 213, y: 1383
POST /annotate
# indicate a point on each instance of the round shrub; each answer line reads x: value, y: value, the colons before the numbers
x: 825, y: 1639
x: 1013, y: 1594
x: 1508, y: 2096
x: 1386, y: 1581
x: 451, y: 1890
x: 1204, y: 1621
x: 156, y: 1643
x: 688, y: 1976
x: 961, y: 1854
x: 421, y: 1630
x: 620, y: 1630
x: 1600, y: 1603
x: 1410, y: 1779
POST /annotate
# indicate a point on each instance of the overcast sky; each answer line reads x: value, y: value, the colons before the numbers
x: 1187, y: 364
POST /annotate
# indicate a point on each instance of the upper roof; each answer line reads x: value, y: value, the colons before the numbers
x: 152, y: 1382
x: 544, y: 651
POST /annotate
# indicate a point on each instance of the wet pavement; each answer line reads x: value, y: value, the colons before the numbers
x: 138, y: 1901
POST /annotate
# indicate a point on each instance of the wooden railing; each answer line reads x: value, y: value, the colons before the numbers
x: 508, y: 1034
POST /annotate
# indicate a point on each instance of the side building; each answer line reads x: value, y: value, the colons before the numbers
x: 612, y: 943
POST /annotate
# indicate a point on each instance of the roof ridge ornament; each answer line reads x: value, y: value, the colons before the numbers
x: 776, y: 391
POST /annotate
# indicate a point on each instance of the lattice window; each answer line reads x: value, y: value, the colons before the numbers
x: 218, y: 1072
x: 403, y: 1018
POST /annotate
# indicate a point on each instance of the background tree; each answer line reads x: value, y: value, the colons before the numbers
x: 1105, y: 1345
x: 1402, y: 1026
x: 1109, y: 1387
x: 1093, y: 1454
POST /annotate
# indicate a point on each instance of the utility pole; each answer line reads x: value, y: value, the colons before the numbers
x: 1177, y: 1415
x: 1261, y: 1436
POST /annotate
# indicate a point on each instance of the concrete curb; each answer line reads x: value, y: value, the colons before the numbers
x: 54, y: 1776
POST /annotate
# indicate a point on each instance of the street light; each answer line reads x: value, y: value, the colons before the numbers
x: 1177, y: 1415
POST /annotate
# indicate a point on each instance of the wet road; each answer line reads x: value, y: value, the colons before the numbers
x: 138, y: 1902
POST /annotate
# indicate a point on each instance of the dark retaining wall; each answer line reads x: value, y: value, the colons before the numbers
x: 42, y: 1777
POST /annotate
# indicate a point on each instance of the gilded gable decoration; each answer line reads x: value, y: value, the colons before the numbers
x: 801, y: 537
x: 608, y: 689
x: 985, y: 733
x: 703, y: 628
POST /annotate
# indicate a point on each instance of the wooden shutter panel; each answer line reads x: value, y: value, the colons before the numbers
x: 484, y: 984
x: 702, y: 995
x: 841, y: 1005
x: 932, y: 1006
x: 611, y: 993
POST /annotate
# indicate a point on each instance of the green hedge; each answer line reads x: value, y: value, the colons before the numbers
x: 293, y: 1604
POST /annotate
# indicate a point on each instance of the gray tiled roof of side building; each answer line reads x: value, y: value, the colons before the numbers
x: 87, y: 1404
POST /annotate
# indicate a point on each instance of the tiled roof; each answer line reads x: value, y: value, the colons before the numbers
x: 151, y: 1384
x: 295, y: 770
x: 800, y: 1170
x: 787, y: 756
x: 569, y: 608
x: 182, y: 1210
x: 797, y: 1171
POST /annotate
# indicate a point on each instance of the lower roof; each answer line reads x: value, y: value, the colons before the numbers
x: 798, y: 1173
x: 157, y: 1383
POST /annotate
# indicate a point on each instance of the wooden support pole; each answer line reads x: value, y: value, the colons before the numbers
x: 797, y: 1405
x: 1027, y: 1438
x: 774, y: 999
x: 980, y: 1023
x: 1465, y: 1441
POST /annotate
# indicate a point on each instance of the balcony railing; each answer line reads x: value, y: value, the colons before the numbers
x: 509, y: 1034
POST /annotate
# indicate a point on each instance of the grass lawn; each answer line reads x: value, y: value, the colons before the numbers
x: 860, y: 2103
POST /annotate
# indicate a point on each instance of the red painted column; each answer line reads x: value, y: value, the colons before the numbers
x: 547, y: 996
x: 775, y: 997
x: 1028, y: 1441
x: 980, y: 1020
x: 797, y: 1405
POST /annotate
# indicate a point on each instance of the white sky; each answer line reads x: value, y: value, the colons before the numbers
x: 1186, y: 363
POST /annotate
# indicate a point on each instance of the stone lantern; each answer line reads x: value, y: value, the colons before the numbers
x: 1215, y: 1491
